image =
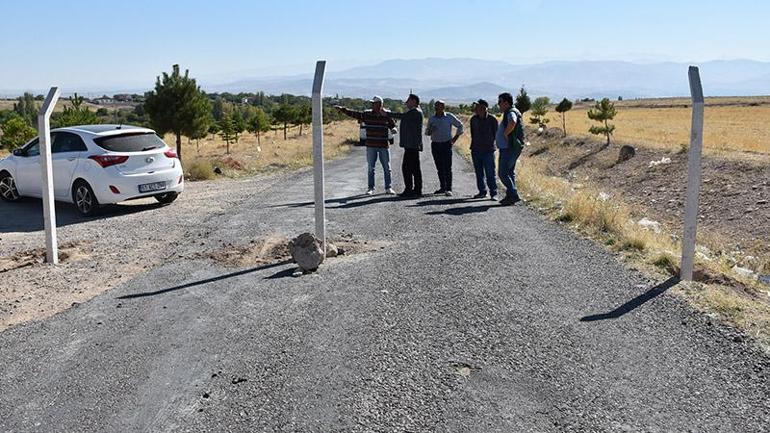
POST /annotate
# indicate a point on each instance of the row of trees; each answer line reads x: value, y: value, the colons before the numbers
x: 178, y: 106
x: 602, y: 112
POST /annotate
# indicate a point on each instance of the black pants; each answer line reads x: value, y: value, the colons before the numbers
x: 410, y: 167
x: 442, y: 156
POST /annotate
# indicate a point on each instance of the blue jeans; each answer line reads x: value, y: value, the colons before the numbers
x: 383, y: 153
x: 484, y: 166
x: 506, y: 166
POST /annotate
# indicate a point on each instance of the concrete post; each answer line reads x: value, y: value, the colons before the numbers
x: 318, y: 153
x: 49, y: 206
x: 693, y: 175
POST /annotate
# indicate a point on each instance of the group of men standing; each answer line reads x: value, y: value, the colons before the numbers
x: 487, y: 136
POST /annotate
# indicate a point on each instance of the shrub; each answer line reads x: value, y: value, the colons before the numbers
x: 200, y: 169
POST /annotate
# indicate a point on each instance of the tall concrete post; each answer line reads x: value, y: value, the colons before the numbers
x: 693, y: 175
x: 318, y: 153
x: 49, y: 206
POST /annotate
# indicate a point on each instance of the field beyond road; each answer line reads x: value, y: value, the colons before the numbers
x: 730, y: 125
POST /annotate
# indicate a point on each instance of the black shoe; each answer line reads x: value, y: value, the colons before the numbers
x: 506, y: 201
x: 439, y: 191
x: 406, y: 193
x: 515, y: 198
x: 480, y: 195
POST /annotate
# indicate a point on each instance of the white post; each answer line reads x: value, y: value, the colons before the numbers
x: 49, y: 206
x: 693, y: 175
x: 318, y: 153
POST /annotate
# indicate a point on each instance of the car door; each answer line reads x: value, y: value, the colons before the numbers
x: 28, y: 174
x: 66, y: 151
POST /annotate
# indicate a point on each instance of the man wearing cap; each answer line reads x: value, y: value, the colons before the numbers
x: 377, y: 125
x: 483, y: 132
x: 410, y: 138
x: 440, y: 131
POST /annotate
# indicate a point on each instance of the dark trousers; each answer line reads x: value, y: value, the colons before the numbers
x: 484, y: 166
x: 442, y: 156
x: 410, y: 166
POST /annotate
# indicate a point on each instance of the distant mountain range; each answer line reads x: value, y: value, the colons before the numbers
x: 464, y: 80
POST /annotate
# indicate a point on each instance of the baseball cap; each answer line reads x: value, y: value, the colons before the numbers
x: 376, y: 98
x: 483, y: 102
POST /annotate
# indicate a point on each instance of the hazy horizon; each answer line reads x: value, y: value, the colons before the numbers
x: 103, y: 45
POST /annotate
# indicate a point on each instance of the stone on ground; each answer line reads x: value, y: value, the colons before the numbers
x: 306, y: 251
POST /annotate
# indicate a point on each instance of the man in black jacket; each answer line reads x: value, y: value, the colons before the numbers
x: 410, y: 138
x: 483, y: 131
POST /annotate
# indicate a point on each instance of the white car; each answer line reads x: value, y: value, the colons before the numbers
x: 95, y: 165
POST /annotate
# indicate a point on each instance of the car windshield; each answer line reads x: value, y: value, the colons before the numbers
x: 135, y: 142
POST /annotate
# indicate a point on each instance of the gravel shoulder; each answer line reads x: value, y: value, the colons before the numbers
x: 455, y: 315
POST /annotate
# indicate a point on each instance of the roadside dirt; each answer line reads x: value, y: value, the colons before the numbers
x: 734, y: 200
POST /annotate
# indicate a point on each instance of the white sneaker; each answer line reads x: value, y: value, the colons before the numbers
x: 370, y: 192
x: 449, y: 193
x: 390, y: 191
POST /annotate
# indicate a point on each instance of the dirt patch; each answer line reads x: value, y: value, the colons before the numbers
x: 68, y: 252
x: 275, y: 249
x: 735, y: 195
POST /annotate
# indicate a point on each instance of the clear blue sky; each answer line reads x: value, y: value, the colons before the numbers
x: 125, y: 44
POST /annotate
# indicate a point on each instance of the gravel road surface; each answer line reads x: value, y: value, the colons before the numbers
x: 455, y: 315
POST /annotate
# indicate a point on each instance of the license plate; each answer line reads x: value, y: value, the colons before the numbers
x: 149, y: 187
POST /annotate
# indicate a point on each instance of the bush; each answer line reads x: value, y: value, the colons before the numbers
x: 199, y: 169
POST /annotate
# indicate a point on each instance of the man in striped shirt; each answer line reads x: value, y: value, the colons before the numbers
x: 377, y: 125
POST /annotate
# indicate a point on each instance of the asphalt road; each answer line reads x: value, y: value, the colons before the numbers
x: 462, y: 316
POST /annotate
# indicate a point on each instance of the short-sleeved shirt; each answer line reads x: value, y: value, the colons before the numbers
x: 502, y: 139
x: 440, y: 127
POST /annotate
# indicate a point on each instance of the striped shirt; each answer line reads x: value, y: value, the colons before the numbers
x: 376, y: 125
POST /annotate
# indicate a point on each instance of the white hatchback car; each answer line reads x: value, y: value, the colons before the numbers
x: 94, y: 165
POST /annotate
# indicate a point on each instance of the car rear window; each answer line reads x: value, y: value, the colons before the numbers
x: 136, y: 142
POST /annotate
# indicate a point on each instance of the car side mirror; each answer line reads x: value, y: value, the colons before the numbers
x: 18, y: 152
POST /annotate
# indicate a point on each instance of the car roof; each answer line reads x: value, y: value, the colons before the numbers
x: 105, y: 130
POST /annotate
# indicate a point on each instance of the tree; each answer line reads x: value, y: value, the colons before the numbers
x: 218, y: 109
x: 16, y: 132
x: 176, y: 105
x: 26, y: 108
x: 76, y: 114
x: 259, y: 123
x: 239, y: 124
x: 303, y: 115
x: 284, y: 114
x: 539, y: 111
x: 603, y: 112
x: 214, y: 129
x: 564, y: 106
x: 227, y: 130
x: 523, y: 103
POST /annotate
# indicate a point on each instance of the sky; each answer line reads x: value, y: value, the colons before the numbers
x: 111, y: 44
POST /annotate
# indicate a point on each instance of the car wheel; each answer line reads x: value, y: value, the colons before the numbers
x: 8, y: 191
x: 167, y: 198
x: 84, y: 198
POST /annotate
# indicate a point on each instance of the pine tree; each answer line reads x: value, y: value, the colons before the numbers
x: 523, y: 103
x: 26, y: 108
x: 259, y: 123
x: 77, y: 114
x: 227, y: 130
x: 564, y: 106
x: 603, y: 112
x: 284, y: 114
x: 239, y: 124
x: 539, y: 111
x: 177, y: 105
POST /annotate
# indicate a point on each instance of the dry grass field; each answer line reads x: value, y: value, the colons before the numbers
x: 731, y: 124
x: 247, y: 157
